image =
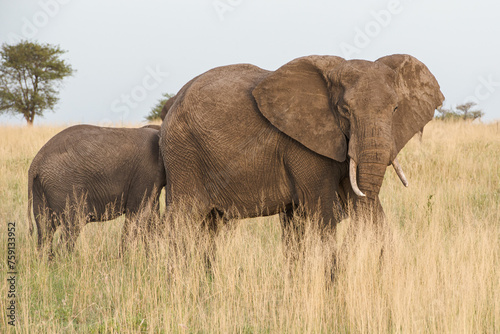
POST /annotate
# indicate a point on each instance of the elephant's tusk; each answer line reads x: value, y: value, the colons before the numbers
x: 352, y: 177
x: 399, y: 171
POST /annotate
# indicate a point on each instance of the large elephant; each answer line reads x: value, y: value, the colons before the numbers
x: 97, y: 173
x: 317, y: 133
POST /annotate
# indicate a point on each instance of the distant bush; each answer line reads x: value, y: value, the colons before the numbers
x: 155, y: 113
x: 462, y: 112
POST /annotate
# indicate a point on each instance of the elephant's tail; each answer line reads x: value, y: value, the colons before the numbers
x: 30, y: 204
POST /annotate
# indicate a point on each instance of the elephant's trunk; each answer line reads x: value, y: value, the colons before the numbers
x: 371, y: 176
x: 369, y: 158
x: 368, y: 165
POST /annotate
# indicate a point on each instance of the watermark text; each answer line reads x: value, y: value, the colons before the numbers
x: 130, y: 100
x: 364, y: 36
x: 11, y: 273
x: 30, y: 27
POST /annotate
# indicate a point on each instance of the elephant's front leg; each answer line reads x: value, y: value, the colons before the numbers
x: 363, y: 209
x: 129, y: 232
x: 71, y: 224
x: 293, y: 221
x: 141, y: 220
x: 292, y: 232
x: 153, y: 229
x: 326, y: 211
x: 210, y: 227
x: 360, y: 208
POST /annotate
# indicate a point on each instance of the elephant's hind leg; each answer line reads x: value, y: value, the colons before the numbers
x: 129, y: 232
x: 292, y: 232
x: 46, y: 224
x: 141, y: 219
x: 210, y: 226
x: 71, y: 228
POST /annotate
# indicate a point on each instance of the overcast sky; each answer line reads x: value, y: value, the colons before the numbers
x: 128, y: 53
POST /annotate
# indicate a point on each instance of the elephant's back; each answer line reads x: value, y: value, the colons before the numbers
x: 209, y: 99
x: 219, y: 103
x: 84, y: 155
x: 89, y: 141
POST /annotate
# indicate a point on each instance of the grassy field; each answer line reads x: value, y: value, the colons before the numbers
x: 439, y: 273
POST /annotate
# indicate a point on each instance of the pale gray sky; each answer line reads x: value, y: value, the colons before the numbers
x: 127, y: 53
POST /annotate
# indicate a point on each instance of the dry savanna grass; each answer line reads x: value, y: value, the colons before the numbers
x: 439, y: 271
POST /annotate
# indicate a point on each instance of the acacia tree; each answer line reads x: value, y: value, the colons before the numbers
x: 461, y: 112
x: 468, y: 113
x: 30, y: 74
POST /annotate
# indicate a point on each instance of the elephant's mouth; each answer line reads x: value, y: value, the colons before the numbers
x: 353, y: 171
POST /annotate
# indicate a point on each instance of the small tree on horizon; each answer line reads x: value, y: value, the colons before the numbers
x: 30, y: 74
x: 461, y: 112
x: 467, y: 113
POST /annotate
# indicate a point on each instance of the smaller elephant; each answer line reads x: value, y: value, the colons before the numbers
x: 97, y: 173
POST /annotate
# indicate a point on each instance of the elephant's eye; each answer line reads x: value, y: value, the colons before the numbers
x: 395, y: 110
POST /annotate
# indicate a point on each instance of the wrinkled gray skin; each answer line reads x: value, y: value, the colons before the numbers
x: 246, y: 142
x: 113, y: 169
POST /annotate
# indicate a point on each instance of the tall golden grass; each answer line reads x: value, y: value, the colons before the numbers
x: 439, y: 272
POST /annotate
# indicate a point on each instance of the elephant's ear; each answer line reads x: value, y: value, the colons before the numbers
x: 419, y: 96
x: 295, y: 99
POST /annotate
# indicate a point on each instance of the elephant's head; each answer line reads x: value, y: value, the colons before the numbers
x: 352, y: 109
